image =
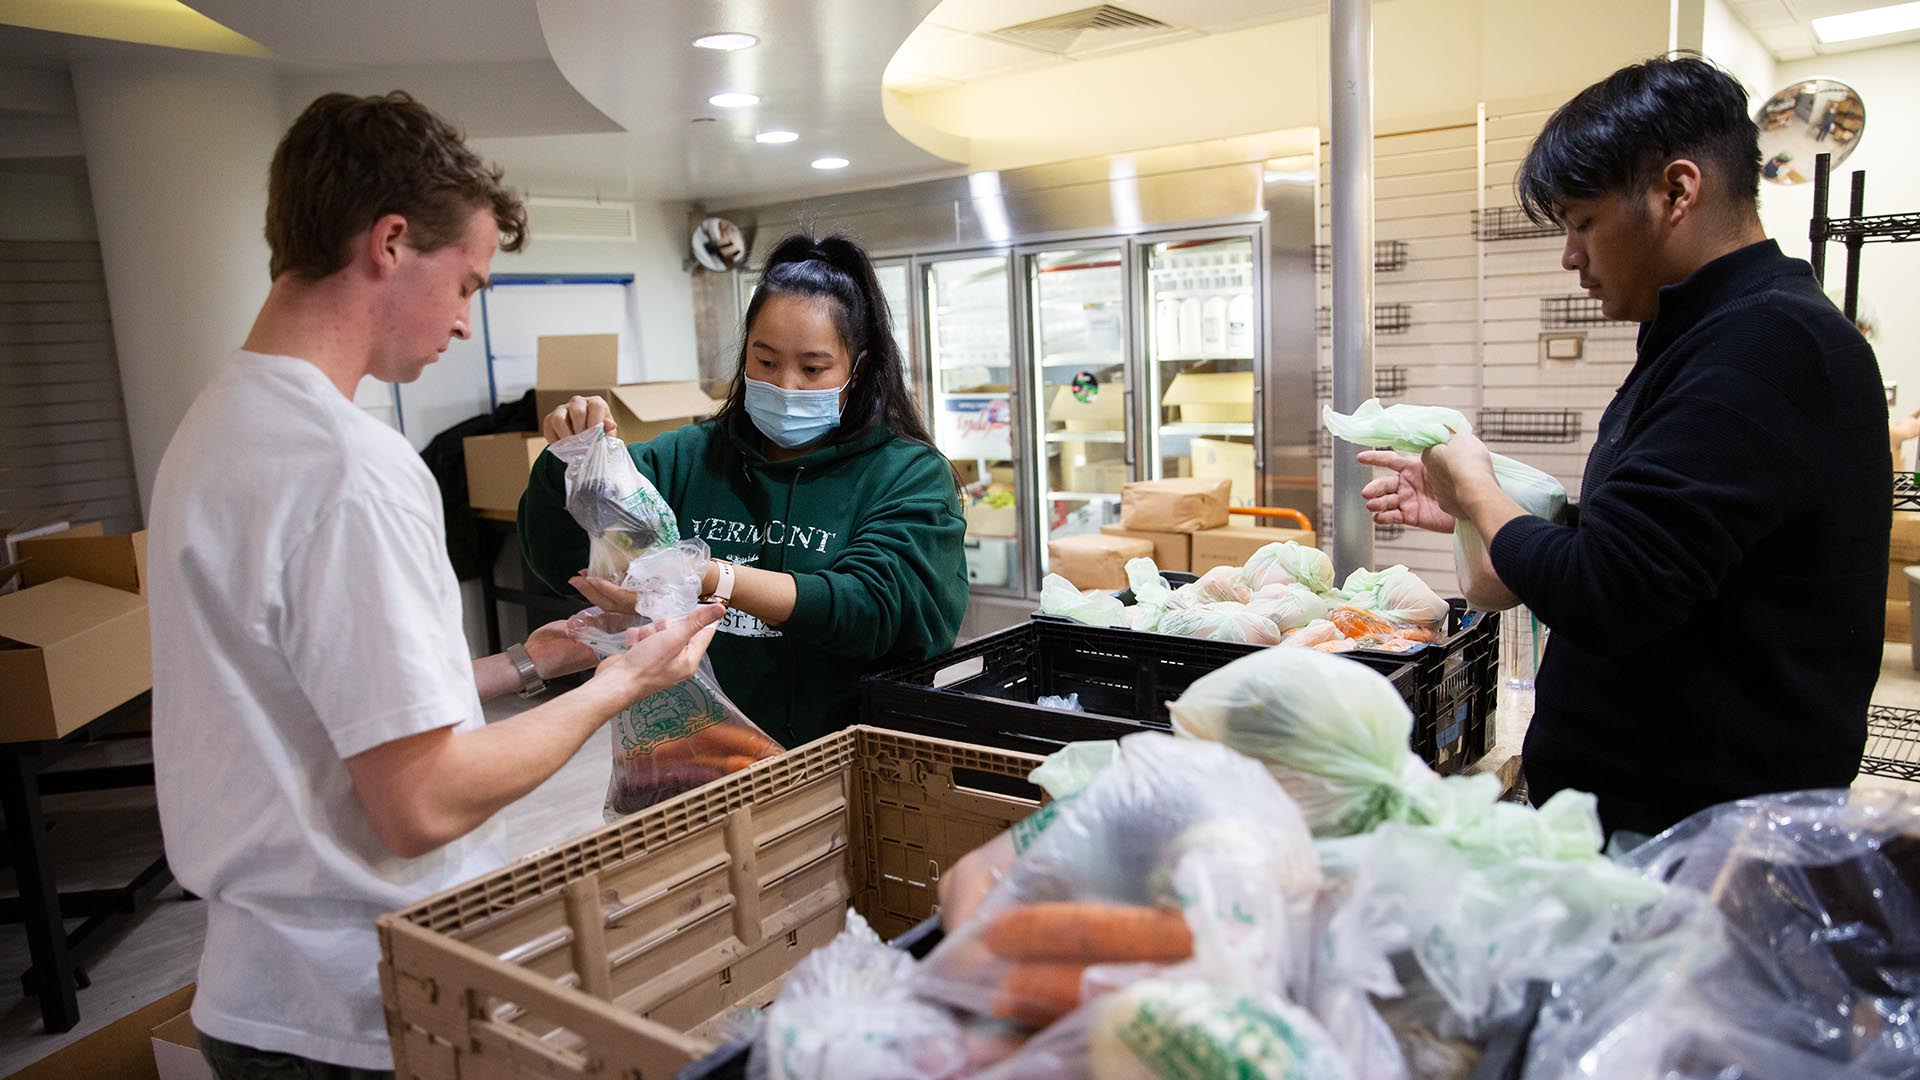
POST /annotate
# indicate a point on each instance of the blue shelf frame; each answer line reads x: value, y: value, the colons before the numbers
x: 505, y: 280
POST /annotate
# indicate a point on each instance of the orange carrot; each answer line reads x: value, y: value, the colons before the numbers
x: 1089, y: 933
x: 734, y: 739
x: 730, y: 763
x: 1356, y: 623
x: 1038, y: 994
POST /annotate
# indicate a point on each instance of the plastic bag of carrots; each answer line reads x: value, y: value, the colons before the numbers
x: 1179, y: 849
x: 676, y: 740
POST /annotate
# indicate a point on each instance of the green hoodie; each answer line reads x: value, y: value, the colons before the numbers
x: 870, y: 529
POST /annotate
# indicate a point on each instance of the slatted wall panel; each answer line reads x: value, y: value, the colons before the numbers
x: 1423, y: 195
x: 63, y: 425
x: 1520, y: 275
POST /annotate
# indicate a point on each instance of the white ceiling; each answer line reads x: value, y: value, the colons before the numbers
x: 1785, y: 27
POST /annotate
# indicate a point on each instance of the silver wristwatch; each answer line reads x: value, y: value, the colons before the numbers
x: 531, y: 684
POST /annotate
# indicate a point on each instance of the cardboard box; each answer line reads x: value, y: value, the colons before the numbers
x: 1000, y: 476
x: 1897, y: 581
x: 498, y: 466
x: 1224, y: 397
x: 1235, y: 544
x: 1104, y: 410
x: 643, y: 410
x: 1096, y: 560
x: 1217, y: 458
x: 984, y: 518
x: 123, y: 1050
x: 1171, y: 550
x: 176, y: 1050
x: 1899, y: 620
x: 1905, y: 548
x: 37, y: 523
x: 118, y: 562
x: 69, y: 651
x: 1092, y: 466
x: 1178, y: 505
x: 564, y: 360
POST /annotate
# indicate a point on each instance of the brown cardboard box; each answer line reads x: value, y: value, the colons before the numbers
x: 643, y: 410
x: 1092, y: 466
x: 497, y: 468
x: 1095, y: 561
x: 1899, y: 620
x: 1235, y: 544
x: 69, y: 651
x: 1180, y: 505
x: 123, y: 1050
x: 1234, y: 461
x: 37, y: 523
x: 564, y: 360
x: 176, y: 1050
x: 1897, y: 581
x: 1171, y: 550
x: 118, y: 562
x: 969, y: 472
x: 1224, y: 397
x: 1905, y: 548
x: 985, y: 519
x: 1106, y: 410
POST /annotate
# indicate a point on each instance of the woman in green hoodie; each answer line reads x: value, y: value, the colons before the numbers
x: 834, y: 524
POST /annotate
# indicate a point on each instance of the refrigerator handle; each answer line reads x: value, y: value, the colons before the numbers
x: 1131, y: 424
x: 1259, y: 427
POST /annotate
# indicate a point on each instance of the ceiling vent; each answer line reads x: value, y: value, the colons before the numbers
x: 578, y: 219
x: 1088, y: 30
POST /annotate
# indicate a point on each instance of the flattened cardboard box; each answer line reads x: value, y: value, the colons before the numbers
x: 1094, y: 561
x: 498, y: 467
x: 69, y: 651
x: 1235, y: 544
x: 118, y: 562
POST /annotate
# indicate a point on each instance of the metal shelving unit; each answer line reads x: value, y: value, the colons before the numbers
x: 1573, y: 312
x: 1529, y: 425
x: 1855, y: 230
x: 1388, y: 256
x: 1509, y: 223
x: 1893, y: 743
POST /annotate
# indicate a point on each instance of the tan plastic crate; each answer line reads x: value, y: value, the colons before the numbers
x: 609, y: 955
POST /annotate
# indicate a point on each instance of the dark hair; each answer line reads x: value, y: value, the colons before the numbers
x: 836, y: 269
x: 1615, y: 136
x: 349, y: 161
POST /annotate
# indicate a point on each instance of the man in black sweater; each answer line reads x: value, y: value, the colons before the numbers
x: 1715, y: 597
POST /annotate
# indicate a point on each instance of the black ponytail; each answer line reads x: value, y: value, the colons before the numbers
x: 837, y: 268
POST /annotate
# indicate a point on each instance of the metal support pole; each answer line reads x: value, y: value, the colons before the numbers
x: 1817, y: 228
x: 1857, y: 209
x: 1352, y: 209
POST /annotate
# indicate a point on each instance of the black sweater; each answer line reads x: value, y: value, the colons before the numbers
x: 1716, y: 604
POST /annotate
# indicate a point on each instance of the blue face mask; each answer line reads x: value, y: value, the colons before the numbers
x: 793, y: 418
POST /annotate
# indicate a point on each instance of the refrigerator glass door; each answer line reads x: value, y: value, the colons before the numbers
x: 970, y: 358
x: 1200, y: 335
x: 1077, y: 317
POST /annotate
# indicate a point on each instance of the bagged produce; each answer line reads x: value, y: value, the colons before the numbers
x: 1152, y: 596
x: 847, y: 1012
x: 1289, y: 606
x: 1398, y: 594
x: 1058, y: 596
x: 1288, y: 563
x: 1175, y: 849
x: 1220, y: 585
x: 622, y: 514
x: 1787, y: 946
x: 1316, y: 633
x: 1334, y: 733
x: 1411, y: 429
x: 1221, y: 622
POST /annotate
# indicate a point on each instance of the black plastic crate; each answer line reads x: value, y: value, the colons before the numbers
x: 984, y: 691
x: 1454, y: 695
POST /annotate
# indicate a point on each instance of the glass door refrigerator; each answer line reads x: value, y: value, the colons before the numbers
x: 972, y: 405
x: 1075, y: 323
x: 1201, y: 334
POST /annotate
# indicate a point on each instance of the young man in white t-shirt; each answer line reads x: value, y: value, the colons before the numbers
x: 318, y: 743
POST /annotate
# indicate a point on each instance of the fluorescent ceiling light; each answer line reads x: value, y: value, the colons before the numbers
x: 1873, y: 22
x: 776, y: 136
x: 830, y: 163
x: 733, y: 100
x: 726, y: 42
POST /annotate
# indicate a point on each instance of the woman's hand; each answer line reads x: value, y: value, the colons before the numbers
x: 577, y: 415
x: 1403, y: 498
x: 662, y: 654
x: 603, y: 594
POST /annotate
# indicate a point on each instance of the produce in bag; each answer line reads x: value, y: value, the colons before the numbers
x: 1411, y: 429
x: 1061, y: 597
x: 1221, y: 622
x: 1316, y: 633
x: 1288, y: 563
x: 621, y: 512
x: 1290, y: 606
x: 1788, y: 945
x: 1399, y: 595
x: 1220, y: 585
x: 1175, y: 847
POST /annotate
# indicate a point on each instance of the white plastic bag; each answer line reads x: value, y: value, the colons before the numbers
x: 1221, y: 622
x: 1333, y: 732
x: 1289, y: 606
x: 1152, y: 596
x: 1537, y: 493
x: 1220, y: 585
x: 1061, y: 597
x: 1287, y: 563
x: 622, y: 514
x: 847, y: 1012
x: 1398, y: 594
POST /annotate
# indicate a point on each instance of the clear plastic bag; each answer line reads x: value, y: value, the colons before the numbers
x: 1221, y: 622
x: 1220, y: 585
x: 1066, y: 702
x: 1288, y: 563
x: 1789, y: 946
x: 622, y: 514
x: 1175, y: 849
x: 667, y: 743
x: 846, y: 1012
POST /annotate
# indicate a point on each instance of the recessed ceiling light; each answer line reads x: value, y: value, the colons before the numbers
x: 733, y: 99
x: 726, y: 42
x: 776, y: 136
x: 1873, y: 22
x: 830, y: 163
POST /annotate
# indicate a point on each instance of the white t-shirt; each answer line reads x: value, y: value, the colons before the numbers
x: 303, y: 611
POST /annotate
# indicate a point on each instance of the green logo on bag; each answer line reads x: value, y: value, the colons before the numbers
x: 673, y: 713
